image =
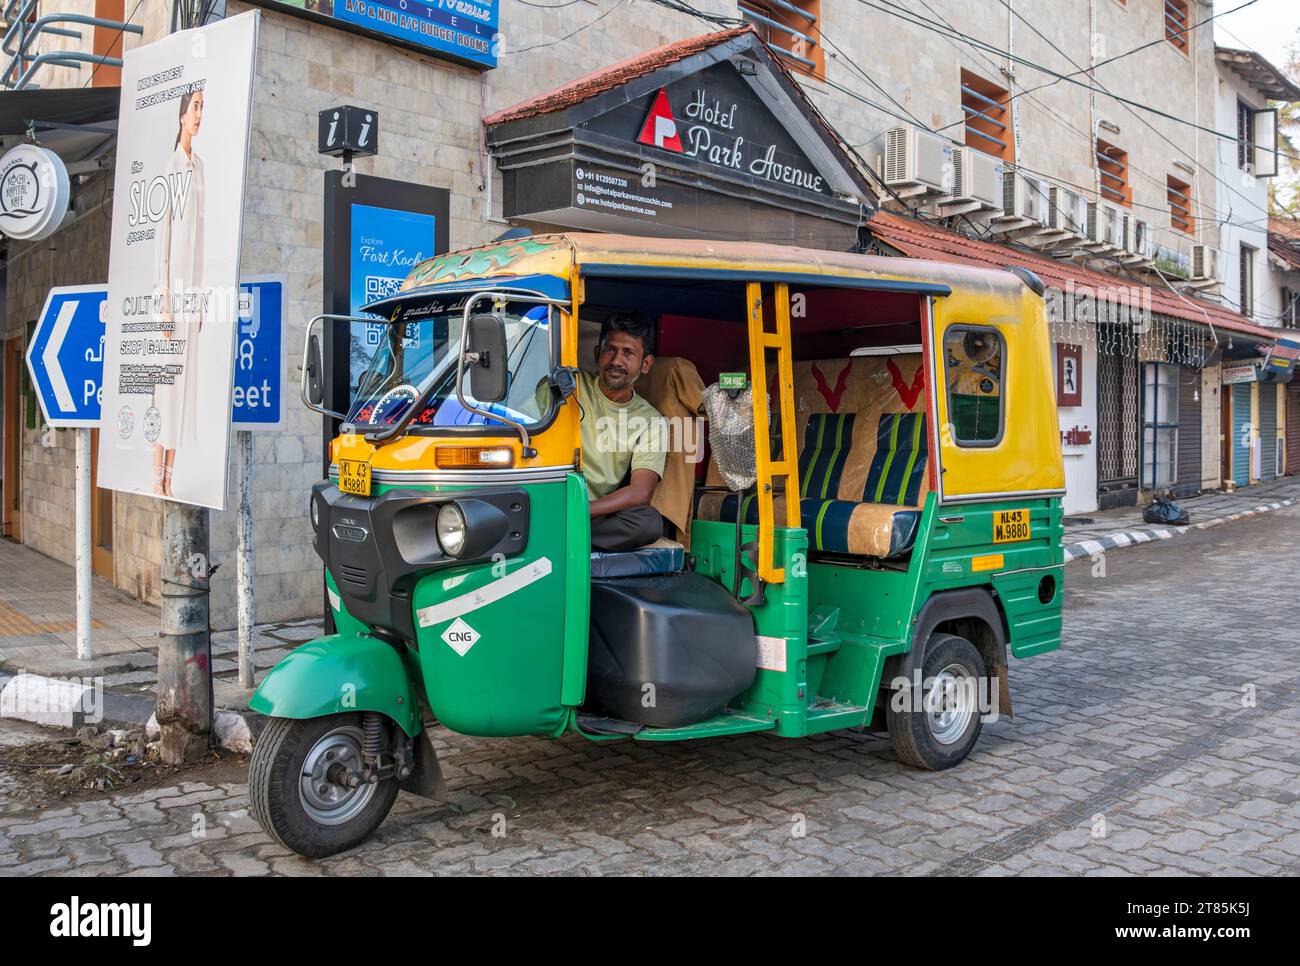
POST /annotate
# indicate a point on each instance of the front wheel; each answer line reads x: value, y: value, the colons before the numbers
x: 939, y: 729
x: 294, y: 793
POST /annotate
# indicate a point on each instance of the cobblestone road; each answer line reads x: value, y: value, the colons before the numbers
x: 1132, y: 751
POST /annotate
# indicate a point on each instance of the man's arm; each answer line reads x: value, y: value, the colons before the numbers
x: 637, y: 493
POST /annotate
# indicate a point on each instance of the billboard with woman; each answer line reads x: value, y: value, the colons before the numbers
x: 173, y: 274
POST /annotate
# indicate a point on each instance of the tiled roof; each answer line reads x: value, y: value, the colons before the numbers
x: 921, y: 240
x: 608, y: 78
x: 1285, y: 249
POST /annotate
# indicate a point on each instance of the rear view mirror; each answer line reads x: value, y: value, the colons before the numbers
x: 313, y: 373
x: 485, y: 358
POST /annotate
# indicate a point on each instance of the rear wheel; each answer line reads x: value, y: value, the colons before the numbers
x: 939, y: 729
x: 295, y: 791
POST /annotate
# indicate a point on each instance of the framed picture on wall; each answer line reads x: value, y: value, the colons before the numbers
x: 1069, y: 375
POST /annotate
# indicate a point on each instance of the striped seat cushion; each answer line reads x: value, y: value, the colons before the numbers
x: 884, y: 522
x: 864, y: 529
x: 898, y: 466
x: 825, y: 450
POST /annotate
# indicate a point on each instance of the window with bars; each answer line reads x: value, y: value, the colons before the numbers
x: 1246, y: 280
x: 1112, y: 168
x: 1245, y: 135
x: 1257, y: 140
x: 1180, y: 205
x: 986, y: 110
x: 791, y: 28
x: 1176, y: 23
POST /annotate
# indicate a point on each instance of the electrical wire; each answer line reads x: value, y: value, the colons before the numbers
x: 973, y: 42
x: 120, y: 33
x: 569, y: 36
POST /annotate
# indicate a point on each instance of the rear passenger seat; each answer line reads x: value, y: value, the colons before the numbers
x: 863, y: 454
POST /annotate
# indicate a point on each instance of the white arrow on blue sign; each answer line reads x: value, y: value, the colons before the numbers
x: 66, y: 357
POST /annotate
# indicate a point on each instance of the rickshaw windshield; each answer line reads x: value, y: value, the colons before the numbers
x: 418, y: 349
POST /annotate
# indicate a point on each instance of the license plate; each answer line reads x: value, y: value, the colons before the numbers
x: 1010, y: 525
x: 354, y: 477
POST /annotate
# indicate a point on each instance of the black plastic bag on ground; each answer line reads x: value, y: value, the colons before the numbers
x: 1165, y: 510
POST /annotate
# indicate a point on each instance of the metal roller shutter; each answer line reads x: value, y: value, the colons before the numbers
x: 1267, y: 431
x: 1241, y: 433
x: 1293, y: 429
x: 1189, y: 433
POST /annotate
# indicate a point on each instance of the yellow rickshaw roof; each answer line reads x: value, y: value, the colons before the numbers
x: 555, y: 254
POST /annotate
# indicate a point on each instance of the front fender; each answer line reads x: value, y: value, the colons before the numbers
x: 338, y: 674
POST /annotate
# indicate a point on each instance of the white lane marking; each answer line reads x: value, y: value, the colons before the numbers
x: 487, y: 594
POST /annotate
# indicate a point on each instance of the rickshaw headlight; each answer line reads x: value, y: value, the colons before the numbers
x: 451, y: 529
x: 314, y: 512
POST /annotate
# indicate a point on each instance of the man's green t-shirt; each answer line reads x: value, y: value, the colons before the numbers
x: 617, y: 437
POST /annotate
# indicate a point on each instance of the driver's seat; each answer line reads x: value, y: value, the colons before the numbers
x: 664, y: 556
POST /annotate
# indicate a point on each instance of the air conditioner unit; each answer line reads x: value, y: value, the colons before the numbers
x: 976, y: 182
x: 1106, y: 228
x: 1068, y: 212
x: 917, y: 162
x: 1025, y: 204
x: 1140, y: 244
x: 1205, y: 265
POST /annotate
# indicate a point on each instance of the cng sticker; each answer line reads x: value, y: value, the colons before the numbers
x: 1010, y: 525
x: 460, y: 636
x: 992, y: 561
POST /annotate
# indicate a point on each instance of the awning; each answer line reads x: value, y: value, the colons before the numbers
x: 44, y: 108
x: 921, y: 240
x: 76, y: 124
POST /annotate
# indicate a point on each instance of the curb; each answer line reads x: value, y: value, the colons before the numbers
x: 1129, y: 538
x: 60, y: 703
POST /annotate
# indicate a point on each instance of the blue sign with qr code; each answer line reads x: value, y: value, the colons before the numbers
x: 386, y: 244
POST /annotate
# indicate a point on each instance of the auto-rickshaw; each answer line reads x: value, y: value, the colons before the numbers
x: 865, y: 526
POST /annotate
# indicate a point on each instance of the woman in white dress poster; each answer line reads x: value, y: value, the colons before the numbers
x: 177, y: 273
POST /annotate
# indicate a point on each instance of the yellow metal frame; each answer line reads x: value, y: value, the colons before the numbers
x: 760, y: 340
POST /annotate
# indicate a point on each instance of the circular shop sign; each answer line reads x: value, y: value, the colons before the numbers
x: 34, y: 192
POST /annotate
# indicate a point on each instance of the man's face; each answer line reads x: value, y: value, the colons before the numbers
x: 620, y: 360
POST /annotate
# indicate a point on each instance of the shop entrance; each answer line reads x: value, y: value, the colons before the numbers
x: 11, y: 481
x: 1267, y: 431
x: 1117, y: 430
x: 1189, y: 432
x: 101, y: 517
x: 1240, y: 433
x: 1293, y: 429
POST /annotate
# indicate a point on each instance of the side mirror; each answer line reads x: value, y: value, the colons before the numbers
x: 314, y: 371
x: 485, y: 350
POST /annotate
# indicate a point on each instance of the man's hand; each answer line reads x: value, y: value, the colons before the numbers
x: 637, y: 493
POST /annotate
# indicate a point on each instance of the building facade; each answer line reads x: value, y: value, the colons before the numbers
x: 1105, y: 110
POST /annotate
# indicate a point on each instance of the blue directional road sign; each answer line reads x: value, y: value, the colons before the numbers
x: 258, y: 397
x: 66, y: 357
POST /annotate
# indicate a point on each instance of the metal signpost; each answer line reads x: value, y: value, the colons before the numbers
x: 258, y: 404
x: 66, y: 362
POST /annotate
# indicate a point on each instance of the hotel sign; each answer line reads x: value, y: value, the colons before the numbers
x: 715, y: 118
x: 722, y: 144
x: 459, y: 30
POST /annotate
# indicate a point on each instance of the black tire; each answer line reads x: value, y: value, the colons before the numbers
x: 911, y: 729
x: 276, y: 796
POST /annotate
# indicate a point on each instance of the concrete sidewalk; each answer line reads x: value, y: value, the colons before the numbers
x: 1092, y: 533
x: 38, y: 633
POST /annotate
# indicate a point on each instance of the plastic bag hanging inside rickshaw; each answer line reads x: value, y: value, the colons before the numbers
x: 731, y: 435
